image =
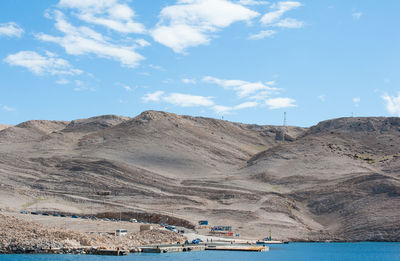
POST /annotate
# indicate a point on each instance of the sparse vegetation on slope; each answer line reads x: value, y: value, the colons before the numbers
x: 338, y: 180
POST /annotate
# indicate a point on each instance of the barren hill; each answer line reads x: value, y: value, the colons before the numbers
x: 338, y: 180
x: 4, y: 126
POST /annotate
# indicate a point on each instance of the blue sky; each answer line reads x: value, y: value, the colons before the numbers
x: 244, y: 60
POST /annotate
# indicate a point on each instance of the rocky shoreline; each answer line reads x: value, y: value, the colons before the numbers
x: 19, y: 236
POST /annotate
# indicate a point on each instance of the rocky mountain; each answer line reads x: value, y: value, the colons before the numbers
x: 338, y: 180
x: 4, y: 126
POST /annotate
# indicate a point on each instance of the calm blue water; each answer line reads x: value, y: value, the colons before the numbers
x: 293, y: 251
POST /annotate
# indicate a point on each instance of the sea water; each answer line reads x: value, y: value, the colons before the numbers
x: 368, y: 251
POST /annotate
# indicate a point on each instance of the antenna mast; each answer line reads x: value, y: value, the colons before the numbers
x: 284, y: 126
x: 284, y: 119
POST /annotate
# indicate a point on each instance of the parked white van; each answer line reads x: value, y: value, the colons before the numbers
x: 121, y: 232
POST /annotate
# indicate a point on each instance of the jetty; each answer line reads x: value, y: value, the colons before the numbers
x: 112, y: 252
x: 202, y: 247
x: 250, y: 248
x: 172, y: 248
x: 271, y: 242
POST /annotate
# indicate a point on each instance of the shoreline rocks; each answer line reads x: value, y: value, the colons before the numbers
x: 19, y: 236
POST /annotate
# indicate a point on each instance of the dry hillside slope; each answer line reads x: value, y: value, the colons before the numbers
x: 4, y: 126
x: 338, y: 180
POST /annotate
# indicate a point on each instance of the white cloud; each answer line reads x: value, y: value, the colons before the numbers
x: 82, y: 86
x: 357, y: 15
x: 11, y: 29
x: 142, y: 42
x: 152, y: 97
x: 62, y: 81
x: 246, y: 105
x: 280, y: 9
x: 242, y: 88
x: 127, y: 88
x: 6, y: 108
x: 167, y: 81
x: 41, y: 65
x: 108, y: 13
x: 253, y: 2
x: 262, y: 95
x: 189, y: 81
x: 279, y: 103
x: 187, y: 100
x: 356, y: 101
x: 392, y: 103
x: 289, y: 23
x: 157, y: 67
x: 262, y: 35
x: 83, y: 41
x: 191, y: 23
x: 223, y: 110
x: 270, y: 83
x: 144, y: 73
x: 179, y: 37
x: 179, y: 99
x: 322, y: 97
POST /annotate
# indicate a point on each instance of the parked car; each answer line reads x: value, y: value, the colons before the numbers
x: 63, y: 215
x: 85, y: 217
x: 34, y: 213
x: 75, y: 216
x: 23, y: 212
x: 45, y: 214
x: 203, y: 223
x: 195, y: 241
x: 56, y: 215
x: 171, y: 228
x: 121, y: 232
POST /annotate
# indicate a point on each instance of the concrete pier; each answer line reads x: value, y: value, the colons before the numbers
x: 271, y: 242
x: 174, y: 248
x: 112, y: 252
x: 250, y: 248
x: 216, y: 247
x: 160, y: 249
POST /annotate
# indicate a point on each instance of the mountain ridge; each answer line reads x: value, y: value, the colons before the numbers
x: 337, y: 180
